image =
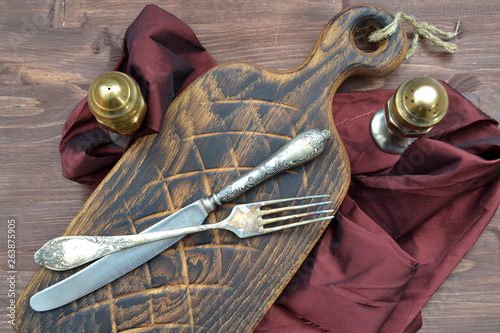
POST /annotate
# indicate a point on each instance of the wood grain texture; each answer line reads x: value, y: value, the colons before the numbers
x: 223, y: 124
x: 51, y: 50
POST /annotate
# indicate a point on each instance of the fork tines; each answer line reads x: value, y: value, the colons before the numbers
x: 269, y: 211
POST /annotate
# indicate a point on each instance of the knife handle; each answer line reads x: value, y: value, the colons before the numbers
x: 301, y: 149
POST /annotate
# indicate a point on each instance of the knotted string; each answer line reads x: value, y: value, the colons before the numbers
x: 422, y: 29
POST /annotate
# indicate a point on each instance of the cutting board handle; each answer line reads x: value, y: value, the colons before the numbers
x: 336, y: 56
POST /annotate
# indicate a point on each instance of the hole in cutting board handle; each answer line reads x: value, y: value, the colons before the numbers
x: 359, y: 38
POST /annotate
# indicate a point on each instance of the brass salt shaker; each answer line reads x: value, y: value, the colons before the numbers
x: 116, y: 101
x: 417, y: 105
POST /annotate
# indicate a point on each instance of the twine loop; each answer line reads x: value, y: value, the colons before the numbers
x: 422, y: 29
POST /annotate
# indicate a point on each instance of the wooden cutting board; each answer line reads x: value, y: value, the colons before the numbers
x: 226, y: 122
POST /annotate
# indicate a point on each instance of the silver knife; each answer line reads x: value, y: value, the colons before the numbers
x: 303, y: 148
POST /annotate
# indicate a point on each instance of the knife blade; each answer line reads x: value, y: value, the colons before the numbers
x: 301, y: 149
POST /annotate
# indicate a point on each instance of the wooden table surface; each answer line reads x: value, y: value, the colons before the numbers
x: 51, y: 50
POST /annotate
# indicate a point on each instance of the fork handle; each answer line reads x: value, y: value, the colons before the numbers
x: 301, y: 149
x: 74, y: 251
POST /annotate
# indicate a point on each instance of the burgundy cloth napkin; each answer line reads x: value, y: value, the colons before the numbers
x: 164, y: 56
x: 405, y: 224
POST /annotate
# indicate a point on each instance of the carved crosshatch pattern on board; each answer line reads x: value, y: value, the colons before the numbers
x: 226, y: 122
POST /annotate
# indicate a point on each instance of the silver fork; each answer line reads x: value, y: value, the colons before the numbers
x: 245, y: 220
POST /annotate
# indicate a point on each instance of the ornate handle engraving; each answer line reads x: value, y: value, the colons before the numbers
x: 59, y: 253
x: 301, y: 149
x: 68, y: 252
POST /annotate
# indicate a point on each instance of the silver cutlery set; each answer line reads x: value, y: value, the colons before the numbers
x: 120, y: 254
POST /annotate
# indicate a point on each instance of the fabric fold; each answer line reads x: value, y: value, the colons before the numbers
x: 351, y: 282
x: 164, y: 56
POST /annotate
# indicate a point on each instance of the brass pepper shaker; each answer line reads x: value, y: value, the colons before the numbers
x: 417, y: 105
x: 116, y: 101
